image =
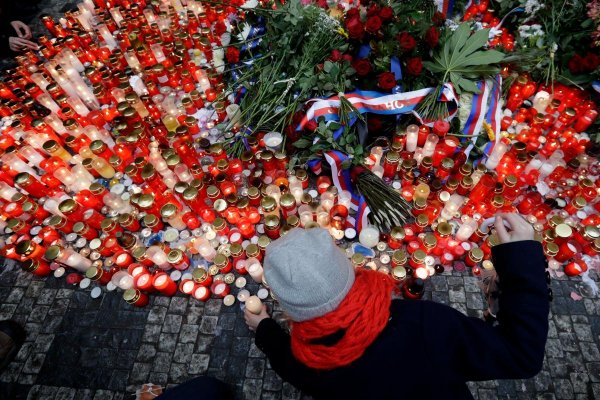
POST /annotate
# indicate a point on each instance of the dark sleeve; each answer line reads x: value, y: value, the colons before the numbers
x: 471, y: 349
x: 272, y: 340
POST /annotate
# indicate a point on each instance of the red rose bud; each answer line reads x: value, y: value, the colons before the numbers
x: 373, y: 24
x: 355, y: 28
x: 347, y: 57
x: 432, y: 36
x: 414, y: 66
x: 407, y: 42
x: 386, y: 80
x: 311, y: 125
x: 386, y: 13
x: 335, y: 56
x: 362, y: 67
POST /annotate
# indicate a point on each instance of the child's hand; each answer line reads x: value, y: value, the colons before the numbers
x: 520, y: 229
x: 253, y: 320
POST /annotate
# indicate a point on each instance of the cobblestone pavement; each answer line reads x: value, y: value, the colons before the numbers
x: 83, y: 348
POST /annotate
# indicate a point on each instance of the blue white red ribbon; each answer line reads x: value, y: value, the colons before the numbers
x: 596, y: 86
x: 341, y: 180
x: 445, y: 7
x: 379, y: 103
x: 486, y: 106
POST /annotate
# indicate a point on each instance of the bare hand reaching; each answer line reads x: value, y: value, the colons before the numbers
x: 23, y: 30
x: 252, y: 320
x: 520, y: 229
x: 20, y: 44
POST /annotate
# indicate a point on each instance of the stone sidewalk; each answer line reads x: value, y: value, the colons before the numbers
x: 83, y: 348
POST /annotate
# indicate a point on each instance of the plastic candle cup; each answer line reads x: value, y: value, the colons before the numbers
x: 254, y: 305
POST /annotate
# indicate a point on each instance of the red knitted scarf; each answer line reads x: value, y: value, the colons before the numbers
x: 363, y: 314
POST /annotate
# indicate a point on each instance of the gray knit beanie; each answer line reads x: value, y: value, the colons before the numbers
x: 308, y: 274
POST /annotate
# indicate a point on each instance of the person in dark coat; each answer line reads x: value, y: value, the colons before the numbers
x: 350, y: 340
x: 15, y: 34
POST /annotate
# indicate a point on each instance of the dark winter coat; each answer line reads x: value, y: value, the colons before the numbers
x: 429, y: 350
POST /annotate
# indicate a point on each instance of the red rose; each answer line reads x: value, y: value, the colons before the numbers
x: 414, y: 66
x: 220, y: 28
x: 311, y: 126
x: 591, y: 61
x: 232, y: 55
x: 335, y: 56
x: 575, y: 64
x: 373, y: 24
x: 386, y: 80
x: 438, y: 18
x: 432, y: 36
x: 373, y: 10
x: 374, y: 124
x: 352, y: 13
x: 407, y: 42
x: 386, y: 13
x: 347, y: 57
x: 362, y: 66
x: 355, y: 28
x: 323, y: 4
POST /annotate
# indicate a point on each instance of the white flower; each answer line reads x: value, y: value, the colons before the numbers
x: 250, y: 4
x: 464, y: 108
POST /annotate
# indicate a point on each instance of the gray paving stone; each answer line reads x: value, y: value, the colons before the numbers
x: 139, y: 373
x: 178, y: 305
x: 579, y: 381
x: 272, y: 381
x: 563, y: 389
x: 199, y: 364
x: 208, y: 325
x: 65, y: 393
x: 162, y: 362
x: 188, y: 333
x: 252, y: 389
x: 157, y: 315
x: 167, y: 342
x: 172, y: 324
x: 183, y: 353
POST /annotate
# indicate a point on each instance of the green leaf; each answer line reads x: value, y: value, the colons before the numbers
x: 433, y: 67
x: 457, y: 40
x: 346, y: 164
x: 468, y: 85
x: 483, y: 57
x: 327, y: 66
x: 302, y: 143
x: 476, y: 41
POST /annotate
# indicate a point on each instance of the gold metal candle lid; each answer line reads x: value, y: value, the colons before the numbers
x: 52, y: 253
x: 398, y: 233
x: 108, y: 224
x: 148, y: 172
x: 97, y: 146
x: 301, y: 174
x: 252, y: 250
x: 23, y: 178
x: 190, y: 193
x: 420, y: 203
x: 253, y: 192
x: 131, y: 295
x: 50, y: 146
x: 57, y: 221
x: 199, y: 275
x: 236, y: 249
x: 25, y: 247
x: 551, y: 249
x: 125, y: 219
x: 272, y: 222
x: 263, y: 242
x: 168, y: 210
x: 419, y: 256
x: 430, y: 240
x: 146, y: 200
x: 30, y: 265
x: 219, y: 223
x: 422, y: 220
x: 79, y: 227
x: 510, y: 180
x: 67, y: 206
x: 212, y: 191
x: 94, y: 273
x: 392, y: 157
x: 220, y: 205
x: 563, y: 230
x: 399, y: 273
x: 399, y: 257
x: 29, y: 206
x: 579, y: 202
x: 555, y: 221
x: 444, y: 228
x: 150, y: 220
x: 15, y: 224
x: 175, y: 256
x: 220, y: 260
x: 447, y: 163
x: 268, y: 203
x: 476, y: 254
x: 590, y: 232
x: 293, y: 221
x: 287, y: 200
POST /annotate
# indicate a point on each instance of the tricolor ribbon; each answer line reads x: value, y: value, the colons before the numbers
x: 341, y: 180
x: 445, y: 7
x: 486, y: 106
x: 379, y: 103
x: 596, y: 86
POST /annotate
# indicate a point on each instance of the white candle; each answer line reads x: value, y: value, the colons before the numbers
x: 255, y: 270
x: 412, y: 136
x: 254, y: 305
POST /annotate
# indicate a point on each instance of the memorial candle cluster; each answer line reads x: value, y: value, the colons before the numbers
x: 114, y: 170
